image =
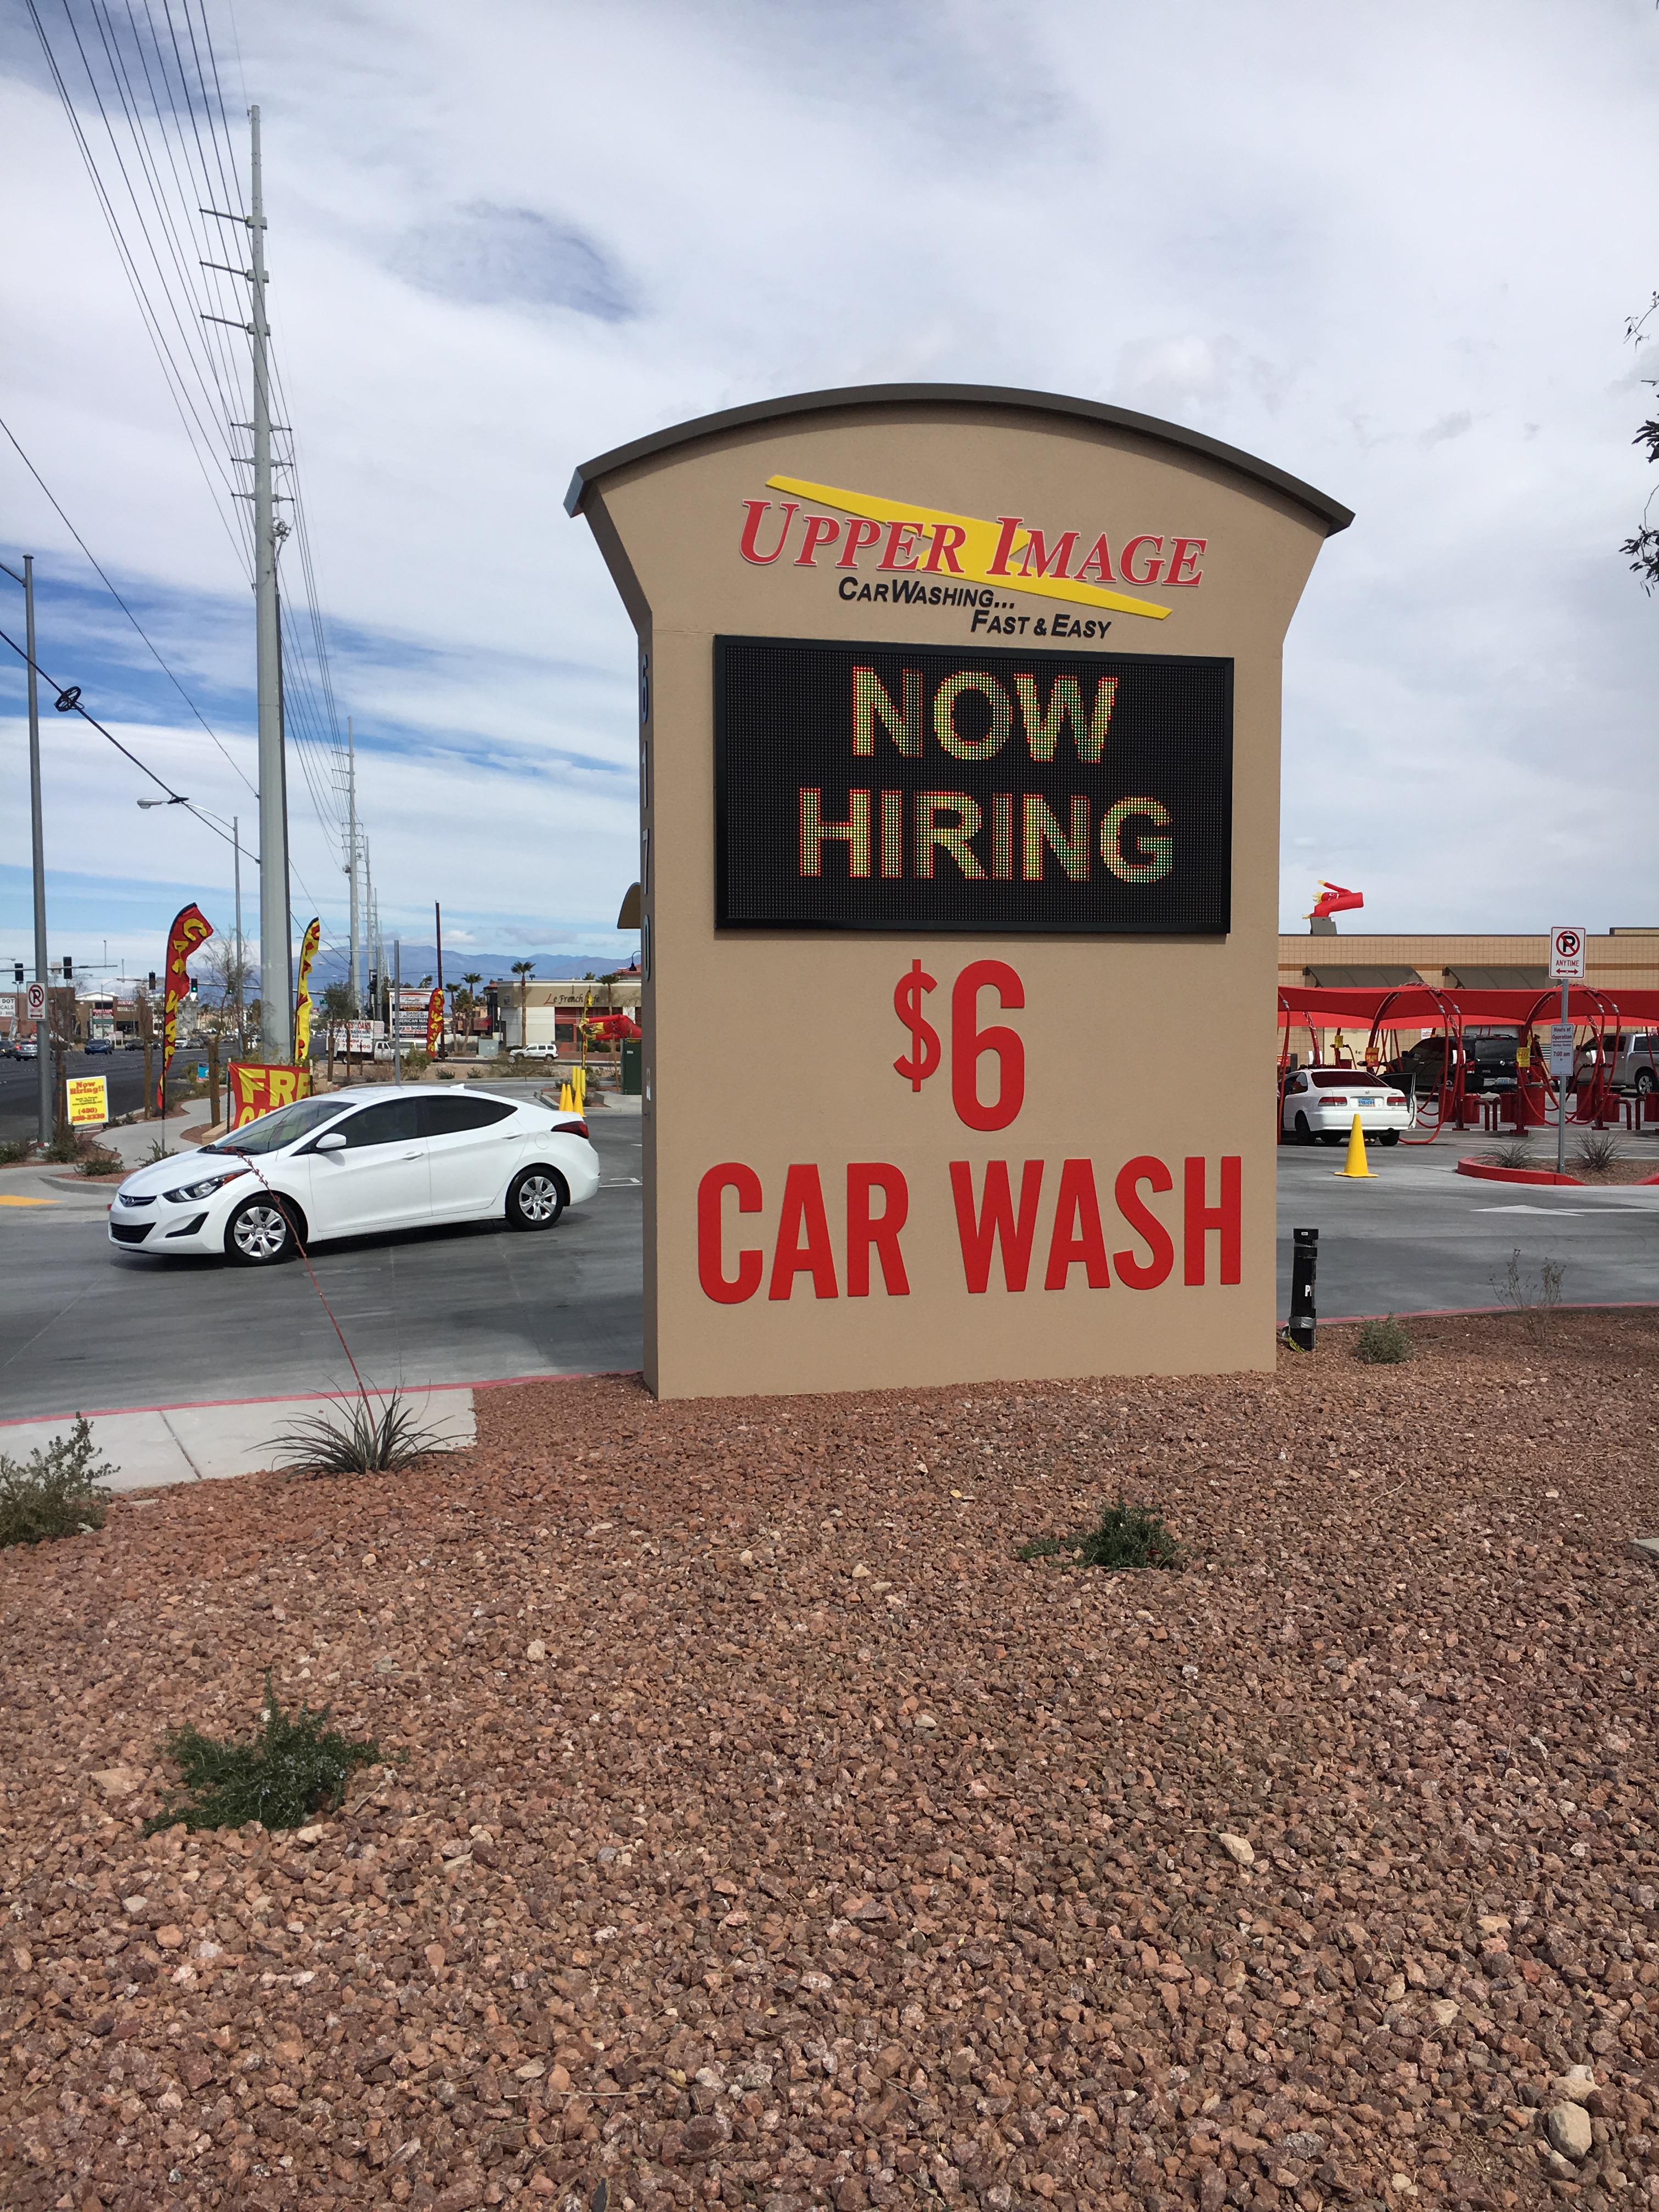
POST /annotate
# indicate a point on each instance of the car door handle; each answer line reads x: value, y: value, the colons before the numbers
x: 415, y: 1155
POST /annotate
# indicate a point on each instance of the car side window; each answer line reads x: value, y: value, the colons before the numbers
x: 390, y: 1122
x: 448, y: 1117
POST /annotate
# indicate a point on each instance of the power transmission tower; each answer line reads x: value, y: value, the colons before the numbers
x: 275, y: 934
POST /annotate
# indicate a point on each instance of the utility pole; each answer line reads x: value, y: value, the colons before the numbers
x: 351, y: 866
x: 241, y: 966
x: 43, y: 1027
x: 438, y: 924
x: 276, y: 947
x: 397, y: 1008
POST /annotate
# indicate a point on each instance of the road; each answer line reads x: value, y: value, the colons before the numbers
x: 84, y: 1327
x: 125, y: 1070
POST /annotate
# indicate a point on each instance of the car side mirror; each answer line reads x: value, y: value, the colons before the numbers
x: 334, y: 1141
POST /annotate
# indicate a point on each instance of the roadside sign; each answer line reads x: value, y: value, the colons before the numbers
x: 200, y: 1070
x: 89, y: 1102
x: 37, y: 1000
x: 1560, y: 1048
x: 1567, y: 956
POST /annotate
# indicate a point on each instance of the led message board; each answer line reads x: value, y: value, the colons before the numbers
x: 966, y: 789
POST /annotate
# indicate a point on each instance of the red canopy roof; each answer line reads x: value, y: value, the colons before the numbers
x: 1414, y: 1006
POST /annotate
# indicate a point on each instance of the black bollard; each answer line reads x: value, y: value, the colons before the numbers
x: 1304, y: 1266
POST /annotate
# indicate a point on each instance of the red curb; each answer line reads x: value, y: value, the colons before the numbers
x: 1522, y: 1174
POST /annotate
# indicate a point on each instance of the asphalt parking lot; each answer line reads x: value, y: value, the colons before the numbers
x: 83, y: 1327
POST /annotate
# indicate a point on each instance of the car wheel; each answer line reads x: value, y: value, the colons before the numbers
x: 259, y: 1234
x: 1303, y: 1133
x: 1646, y: 1082
x: 535, y: 1199
x: 1332, y: 1136
x: 1391, y: 1136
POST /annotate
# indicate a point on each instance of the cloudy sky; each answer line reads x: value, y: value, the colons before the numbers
x: 1391, y: 249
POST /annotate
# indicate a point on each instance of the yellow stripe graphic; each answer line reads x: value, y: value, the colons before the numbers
x: 977, y: 550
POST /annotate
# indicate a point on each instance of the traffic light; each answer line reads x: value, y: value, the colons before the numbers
x: 69, y: 969
x: 152, y: 979
x: 194, y: 987
x: 16, y: 971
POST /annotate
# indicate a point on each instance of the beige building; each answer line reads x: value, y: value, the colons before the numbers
x: 548, y: 1013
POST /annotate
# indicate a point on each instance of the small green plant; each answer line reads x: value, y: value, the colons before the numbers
x: 1385, y: 1343
x: 298, y: 1767
x: 1128, y: 1536
x: 12, y: 1151
x: 67, y: 1147
x: 1513, y: 1152
x: 56, y: 1492
x: 1596, y: 1150
x: 159, y: 1150
x: 99, y: 1160
x: 352, y: 1438
x: 1532, y: 1299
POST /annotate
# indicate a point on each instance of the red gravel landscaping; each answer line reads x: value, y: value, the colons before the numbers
x: 763, y: 1832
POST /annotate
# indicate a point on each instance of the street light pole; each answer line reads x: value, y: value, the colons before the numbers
x: 276, y: 947
x: 38, y: 854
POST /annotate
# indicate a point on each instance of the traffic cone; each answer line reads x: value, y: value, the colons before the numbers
x: 1356, y: 1164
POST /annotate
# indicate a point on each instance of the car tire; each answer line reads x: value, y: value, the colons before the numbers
x: 260, y: 1234
x: 1646, y: 1083
x: 1332, y: 1136
x: 1391, y: 1136
x: 536, y: 1198
x: 1303, y: 1133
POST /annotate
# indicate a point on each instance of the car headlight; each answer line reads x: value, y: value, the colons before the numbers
x: 205, y: 1188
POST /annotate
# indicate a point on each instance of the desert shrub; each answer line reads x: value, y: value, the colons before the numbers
x: 298, y: 1767
x: 1513, y: 1152
x: 59, y: 1492
x: 1532, y: 1299
x: 1385, y: 1343
x: 1126, y: 1536
x: 12, y: 1151
x: 352, y: 1438
x: 1596, y: 1150
x: 99, y: 1160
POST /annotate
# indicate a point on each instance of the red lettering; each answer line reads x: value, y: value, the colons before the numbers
x: 947, y: 536
x: 1076, y: 1229
x: 1037, y: 556
x: 908, y: 532
x: 821, y: 530
x: 859, y: 533
x: 969, y: 1042
x: 1187, y: 550
x: 802, y: 1210
x: 1153, y: 572
x: 1143, y: 1274
x: 880, y: 1232
x: 1199, y: 1219
x: 1098, y: 558
x: 1010, y: 526
x: 748, y: 544
x: 726, y: 1291
x: 996, y: 1222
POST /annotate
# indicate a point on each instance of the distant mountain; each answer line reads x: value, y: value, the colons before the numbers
x: 420, y: 960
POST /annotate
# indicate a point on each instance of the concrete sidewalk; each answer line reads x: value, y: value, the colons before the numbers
x: 152, y: 1445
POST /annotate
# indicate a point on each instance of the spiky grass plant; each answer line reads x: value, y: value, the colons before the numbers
x: 1126, y: 1536
x: 352, y: 1438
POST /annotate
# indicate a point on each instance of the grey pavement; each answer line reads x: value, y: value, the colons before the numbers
x: 206, y: 1444
x: 83, y: 1327
x: 86, y: 1328
x: 1421, y: 1238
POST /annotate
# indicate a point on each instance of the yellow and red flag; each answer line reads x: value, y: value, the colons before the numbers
x: 309, y: 945
x: 435, y: 1022
x: 190, y: 928
x: 259, y: 1087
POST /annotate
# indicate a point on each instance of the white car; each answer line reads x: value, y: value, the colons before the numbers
x: 353, y: 1163
x: 1322, y: 1101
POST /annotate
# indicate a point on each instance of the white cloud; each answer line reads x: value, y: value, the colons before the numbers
x: 1391, y: 253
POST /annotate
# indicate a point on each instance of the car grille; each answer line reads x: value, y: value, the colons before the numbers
x: 126, y: 1200
x: 131, y: 1233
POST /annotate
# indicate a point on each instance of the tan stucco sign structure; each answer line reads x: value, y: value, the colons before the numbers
x: 959, y: 715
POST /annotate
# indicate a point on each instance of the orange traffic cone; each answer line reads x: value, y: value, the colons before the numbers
x: 1356, y: 1164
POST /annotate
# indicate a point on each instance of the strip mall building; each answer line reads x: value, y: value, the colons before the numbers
x: 1622, y: 958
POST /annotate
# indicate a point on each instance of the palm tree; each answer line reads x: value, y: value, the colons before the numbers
x: 523, y: 970
x: 337, y: 1010
x: 472, y: 980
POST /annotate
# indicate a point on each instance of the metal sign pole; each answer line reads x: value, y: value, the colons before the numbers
x: 1566, y: 1088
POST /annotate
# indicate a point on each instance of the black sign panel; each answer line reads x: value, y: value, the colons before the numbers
x: 947, y: 788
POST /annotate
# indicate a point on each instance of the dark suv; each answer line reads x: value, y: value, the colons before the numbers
x: 1489, y: 1064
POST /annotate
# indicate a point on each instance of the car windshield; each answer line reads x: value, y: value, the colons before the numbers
x: 285, y: 1127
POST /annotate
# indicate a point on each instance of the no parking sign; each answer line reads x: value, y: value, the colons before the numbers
x: 1567, y: 956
